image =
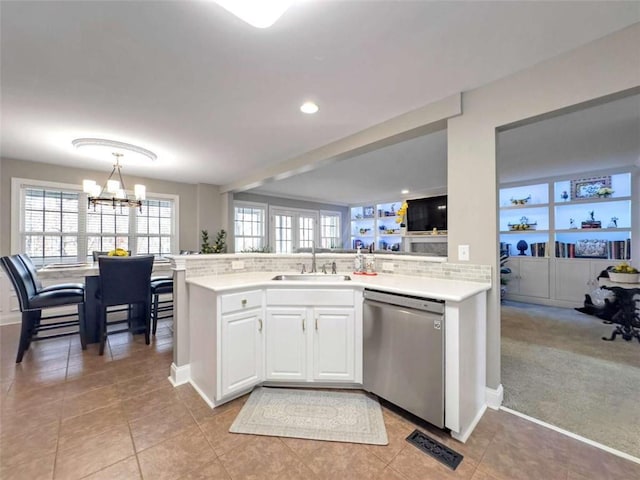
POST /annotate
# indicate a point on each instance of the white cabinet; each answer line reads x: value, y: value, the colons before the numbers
x: 241, y: 342
x: 573, y: 280
x: 334, y: 344
x: 286, y: 344
x: 314, y: 339
x: 529, y: 277
x: 241, y: 349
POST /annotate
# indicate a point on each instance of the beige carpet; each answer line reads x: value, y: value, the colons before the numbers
x: 313, y: 414
x: 556, y: 368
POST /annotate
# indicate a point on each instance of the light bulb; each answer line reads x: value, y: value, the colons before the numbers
x: 120, y: 193
x: 88, y: 186
x: 140, y: 191
x: 309, y: 107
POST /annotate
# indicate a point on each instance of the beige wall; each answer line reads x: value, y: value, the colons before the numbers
x: 605, y: 67
x: 199, y: 204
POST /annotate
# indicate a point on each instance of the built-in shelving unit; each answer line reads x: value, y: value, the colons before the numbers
x: 570, y: 229
x: 376, y: 225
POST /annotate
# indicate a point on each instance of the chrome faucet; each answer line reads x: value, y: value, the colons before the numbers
x: 313, y: 257
x: 333, y: 268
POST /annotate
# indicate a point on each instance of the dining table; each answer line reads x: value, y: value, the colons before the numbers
x: 89, y: 275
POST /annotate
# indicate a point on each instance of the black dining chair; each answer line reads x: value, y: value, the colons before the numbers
x: 33, y: 298
x: 161, y: 308
x: 26, y: 259
x: 124, y: 281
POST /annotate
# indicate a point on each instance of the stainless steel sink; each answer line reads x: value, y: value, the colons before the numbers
x: 312, y: 278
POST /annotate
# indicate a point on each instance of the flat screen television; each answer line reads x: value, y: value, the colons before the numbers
x: 425, y: 214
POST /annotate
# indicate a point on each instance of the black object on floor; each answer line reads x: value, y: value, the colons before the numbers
x: 440, y: 452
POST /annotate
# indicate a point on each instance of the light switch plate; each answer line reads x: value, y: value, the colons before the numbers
x: 237, y: 265
x: 463, y: 253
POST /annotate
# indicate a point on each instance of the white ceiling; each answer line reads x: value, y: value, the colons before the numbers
x: 599, y: 137
x: 216, y: 99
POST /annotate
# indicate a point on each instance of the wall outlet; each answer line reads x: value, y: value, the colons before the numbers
x: 463, y: 253
x: 237, y: 265
x: 387, y: 266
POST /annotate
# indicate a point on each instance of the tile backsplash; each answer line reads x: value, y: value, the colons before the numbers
x: 201, y: 265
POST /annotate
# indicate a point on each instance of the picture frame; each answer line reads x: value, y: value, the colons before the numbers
x: 591, y: 249
x: 369, y: 212
x: 588, y: 187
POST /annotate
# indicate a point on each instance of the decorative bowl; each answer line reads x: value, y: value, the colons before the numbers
x: 624, y: 277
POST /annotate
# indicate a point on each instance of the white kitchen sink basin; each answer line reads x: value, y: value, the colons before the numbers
x: 293, y: 277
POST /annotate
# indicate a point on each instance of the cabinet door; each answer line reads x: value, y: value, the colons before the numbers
x: 534, y: 277
x: 286, y: 352
x: 573, y: 280
x: 334, y: 344
x: 241, y: 346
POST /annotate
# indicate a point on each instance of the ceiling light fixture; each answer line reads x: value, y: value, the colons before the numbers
x: 404, y: 192
x: 309, y: 107
x: 258, y: 13
x: 113, y: 192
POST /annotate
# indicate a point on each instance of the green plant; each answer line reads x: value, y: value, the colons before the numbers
x: 205, y: 246
x: 220, y: 245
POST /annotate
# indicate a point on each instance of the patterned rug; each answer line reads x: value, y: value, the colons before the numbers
x: 313, y: 414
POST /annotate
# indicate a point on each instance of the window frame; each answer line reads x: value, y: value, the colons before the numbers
x: 265, y: 223
x: 331, y: 213
x: 18, y: 215
x: 296, y: 213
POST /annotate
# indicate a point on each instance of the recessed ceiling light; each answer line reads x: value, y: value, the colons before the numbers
x: 258, y: 13
x: 309, y: 107
x: 404, y: 192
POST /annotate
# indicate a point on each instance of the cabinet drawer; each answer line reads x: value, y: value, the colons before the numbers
x: 304, y: 297
x: 240, y: 301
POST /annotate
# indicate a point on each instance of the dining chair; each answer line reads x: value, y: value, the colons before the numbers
x: 28, y: 263
x: 124, y: 281
x: 32, y: 299
x: 161, y: 308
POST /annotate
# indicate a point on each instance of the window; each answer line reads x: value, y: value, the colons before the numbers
x: 54, y: 224
x: 249, y: 227
x: 293, y: 229
x: 107, y: 228
x: 330, y: 230
x: 49, y: 226
x: 155, y: 227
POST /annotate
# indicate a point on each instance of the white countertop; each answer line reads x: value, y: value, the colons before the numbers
x: 442, y: 289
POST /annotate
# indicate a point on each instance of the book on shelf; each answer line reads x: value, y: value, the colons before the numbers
x: 615, y: 250
x: 539, y: 249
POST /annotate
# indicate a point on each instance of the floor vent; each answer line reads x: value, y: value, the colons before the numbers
x: 440, y: 452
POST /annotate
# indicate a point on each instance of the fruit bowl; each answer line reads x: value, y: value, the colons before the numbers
x: 620, y: 277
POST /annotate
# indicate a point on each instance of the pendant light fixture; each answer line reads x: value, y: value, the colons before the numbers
x: 113, y: 192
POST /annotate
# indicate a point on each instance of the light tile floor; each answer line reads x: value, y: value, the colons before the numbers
x: 68, y: 414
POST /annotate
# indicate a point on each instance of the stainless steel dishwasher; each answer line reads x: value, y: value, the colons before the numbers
x: 404, y: 352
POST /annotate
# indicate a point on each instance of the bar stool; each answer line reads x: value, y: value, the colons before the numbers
x: 161, y: 286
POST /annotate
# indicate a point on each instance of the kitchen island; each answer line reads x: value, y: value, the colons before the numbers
x: 245, y: 329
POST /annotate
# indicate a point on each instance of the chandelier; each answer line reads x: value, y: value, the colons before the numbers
x: 113, y: 192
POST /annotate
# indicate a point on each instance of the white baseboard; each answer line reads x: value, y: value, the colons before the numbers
x: 466, y: 433
x: 494, y: 397
x: 610, y: 450
x: 180, y: 375
x: 202, y: 395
